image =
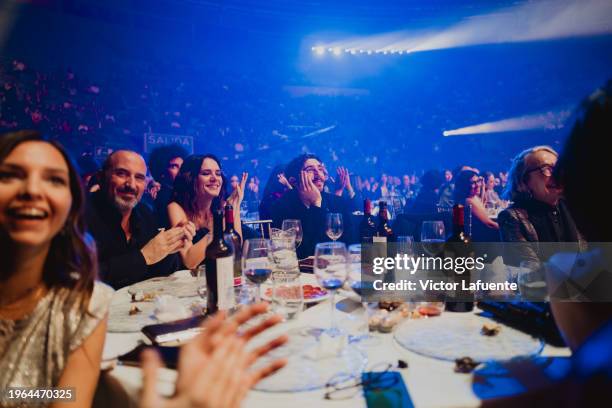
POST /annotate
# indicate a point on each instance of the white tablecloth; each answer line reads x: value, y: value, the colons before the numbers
x: 430, y: 382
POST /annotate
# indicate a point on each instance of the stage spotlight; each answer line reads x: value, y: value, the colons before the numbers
x: 337, y: 51
x: 369, y: 52
x: 543, y: 121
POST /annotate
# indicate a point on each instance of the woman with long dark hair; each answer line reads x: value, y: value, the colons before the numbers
x: 52, y: 311
x: 199, y: 183
x: 468, y: 191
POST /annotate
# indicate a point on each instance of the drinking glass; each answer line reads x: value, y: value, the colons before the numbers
x: 257, y: 262
x: 283, y: 251
x: 405, y: 244
x: 296, y: 226
x: 532, y: 281
x: 334, y: 226
x: 331, y: 269
x: 432, y: 236
x: 287, y: 295
x: 201, y: 288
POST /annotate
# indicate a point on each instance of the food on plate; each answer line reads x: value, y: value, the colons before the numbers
x: 389, y: 304
x: 465, y: 365
x: 387, y: 323
x: 429, y: 310
x: 490, y: 329
x: 134, y: 310
x: 384, y: 321
x: 310, y: 292
x: 313, y: 292
x: 141, y: 296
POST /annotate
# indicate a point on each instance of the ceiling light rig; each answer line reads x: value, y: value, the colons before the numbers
x: 338, y: 51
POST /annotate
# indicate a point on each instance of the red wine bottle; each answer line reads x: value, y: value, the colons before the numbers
x: 459, y: 245
x: 367, y: 227
x: 219, y: 268
x: 232, y: 238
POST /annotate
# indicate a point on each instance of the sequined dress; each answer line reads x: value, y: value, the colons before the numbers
x: 35, y: 349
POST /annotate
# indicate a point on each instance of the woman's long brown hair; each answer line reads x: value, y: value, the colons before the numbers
x: 71, y: 261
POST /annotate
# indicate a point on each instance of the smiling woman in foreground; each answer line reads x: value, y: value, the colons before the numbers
x: 52, y: 312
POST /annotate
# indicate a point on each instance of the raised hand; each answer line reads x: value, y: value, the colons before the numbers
x: 213, y: 369
x: 283, y: 180
x: 308, y: 192
x: 235, y: 199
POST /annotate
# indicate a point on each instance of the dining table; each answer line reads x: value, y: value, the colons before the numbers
x: 430, y: 382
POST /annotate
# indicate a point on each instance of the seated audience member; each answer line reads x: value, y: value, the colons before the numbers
x: 490, y: 195
x: 165, y: 163
x: 405, y: 190
x: 447, y: 190
x: 468, y: 187
x: 538, y: 212
x: 308, y: 202
x: 427, y: 199
x: 52, y: 311
x: 275, y: 188
x: 586, y: 326
x: 131, y: 247
x: 199, y: 182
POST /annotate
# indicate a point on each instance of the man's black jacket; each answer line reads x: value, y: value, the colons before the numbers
x: 120, y: 262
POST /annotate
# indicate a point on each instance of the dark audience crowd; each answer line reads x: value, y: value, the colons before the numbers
x: 146, y: 217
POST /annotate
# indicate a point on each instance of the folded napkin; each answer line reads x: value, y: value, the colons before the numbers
x: 168, y: 308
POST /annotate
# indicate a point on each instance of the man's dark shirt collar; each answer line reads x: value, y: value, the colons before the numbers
x: 107, y: 210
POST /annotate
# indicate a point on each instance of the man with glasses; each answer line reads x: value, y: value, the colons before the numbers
x: 538, y: 212
x: 308, y: 202
x: 130, y: 246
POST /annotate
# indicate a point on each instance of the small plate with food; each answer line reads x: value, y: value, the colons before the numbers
x: 312, y: 293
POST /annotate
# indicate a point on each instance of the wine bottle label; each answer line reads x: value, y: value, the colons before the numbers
x: 225, y: 283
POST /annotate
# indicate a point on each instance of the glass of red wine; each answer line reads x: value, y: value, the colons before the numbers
x: 331, y: 269
x: 257, y: 262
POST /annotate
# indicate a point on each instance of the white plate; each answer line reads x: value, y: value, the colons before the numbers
x: 451, y: 336
x: 167, y: 285
x: 302, y: 372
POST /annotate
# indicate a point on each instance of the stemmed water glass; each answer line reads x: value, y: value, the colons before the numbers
x: 257, y: 262
x: 296, y: 226
x: 331, y: 270
x: 334, y: 226
x: 432, y: 237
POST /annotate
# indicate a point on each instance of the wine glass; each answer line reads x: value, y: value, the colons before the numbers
x: 331, y: 270
x: 257, y: 262
x: 432, y: 236
x: 201, y: 287
x: 295, y: 225
x: 334, y: 226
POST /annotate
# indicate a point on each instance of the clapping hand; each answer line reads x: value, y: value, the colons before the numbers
x: 214, y: 368
x: 343, y: 181
x: 283, y: 180
x: 166, y: 242
x: 235, y: 199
